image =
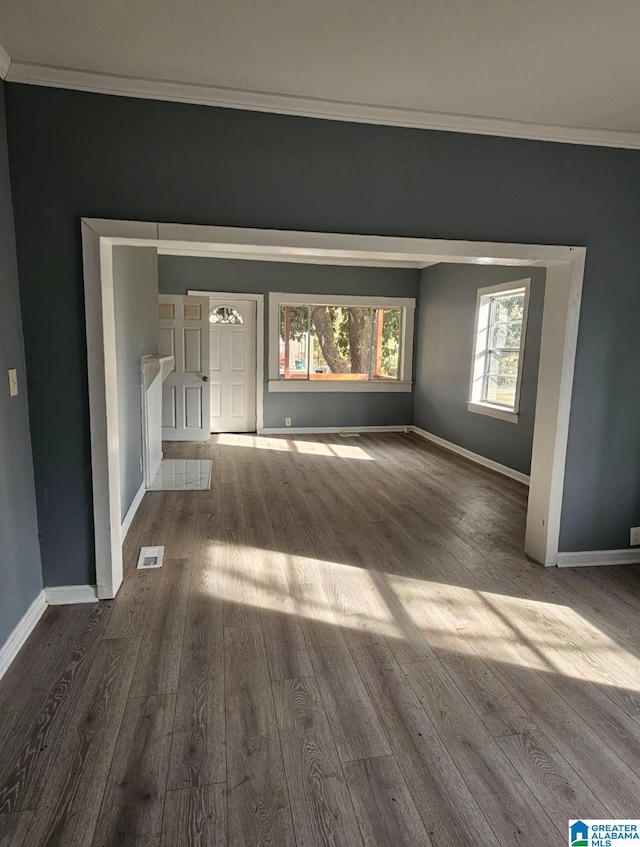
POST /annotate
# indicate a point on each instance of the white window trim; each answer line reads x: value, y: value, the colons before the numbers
x: 404, y: 384
x: 483, y: 407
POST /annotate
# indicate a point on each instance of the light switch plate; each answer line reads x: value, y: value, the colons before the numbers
x: 13, y: 382
x: 634, y: 540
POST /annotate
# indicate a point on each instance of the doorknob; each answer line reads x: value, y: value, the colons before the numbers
x: 205, y: 378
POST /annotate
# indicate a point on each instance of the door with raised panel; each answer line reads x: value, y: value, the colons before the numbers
x: 184, y: 334
x: 232, y: 365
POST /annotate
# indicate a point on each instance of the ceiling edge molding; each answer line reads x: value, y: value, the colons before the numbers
x: 287, y: 104
x: 5, y: 62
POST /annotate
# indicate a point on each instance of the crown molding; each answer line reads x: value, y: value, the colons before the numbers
x: 335, y: 110
x: 5, y: 62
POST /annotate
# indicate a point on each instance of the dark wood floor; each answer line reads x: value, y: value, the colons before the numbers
x: 345, y: 646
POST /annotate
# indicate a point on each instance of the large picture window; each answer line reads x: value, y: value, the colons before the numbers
x: 496, y: 370
x: 358, y: 344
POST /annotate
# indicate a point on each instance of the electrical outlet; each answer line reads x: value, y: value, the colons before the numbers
x: 635, y: 536
x: 287, y: 422
x: 13, y: 382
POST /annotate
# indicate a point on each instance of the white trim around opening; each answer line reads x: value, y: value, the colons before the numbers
x: 563, y: 290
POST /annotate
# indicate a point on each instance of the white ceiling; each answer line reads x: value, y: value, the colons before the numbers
x: 568, y: 63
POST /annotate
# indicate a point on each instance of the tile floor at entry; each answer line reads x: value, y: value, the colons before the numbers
x: 183, y: 475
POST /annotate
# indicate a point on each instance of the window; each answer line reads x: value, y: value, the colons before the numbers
x: 225, y: 315
x: 340, y: 343
x: 496, y: 370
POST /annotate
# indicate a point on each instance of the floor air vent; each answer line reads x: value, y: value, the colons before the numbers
x: 150, y: 557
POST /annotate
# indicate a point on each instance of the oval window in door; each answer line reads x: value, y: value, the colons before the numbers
x: 225, y: 315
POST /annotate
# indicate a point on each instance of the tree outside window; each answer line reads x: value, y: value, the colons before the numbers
x: 342, y: 343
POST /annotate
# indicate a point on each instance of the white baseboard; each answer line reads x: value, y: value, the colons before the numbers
x: 21, y: 632
x: 62, y: 595
x: 473, y: 457
x: 594, y: 558
x: 131, y: 513
x: 319, y: 430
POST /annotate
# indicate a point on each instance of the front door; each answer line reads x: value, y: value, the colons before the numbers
x: 232, y: 363
x: 184, y: 334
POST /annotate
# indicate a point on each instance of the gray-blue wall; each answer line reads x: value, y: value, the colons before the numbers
x: 178, y: 274
x: 135, y: 295
x: 20, y: 569
x: 446, y: 321
x: 75, y: 154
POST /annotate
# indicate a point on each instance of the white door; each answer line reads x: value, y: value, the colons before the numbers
x: 184, y: 334
x: 232, y: 333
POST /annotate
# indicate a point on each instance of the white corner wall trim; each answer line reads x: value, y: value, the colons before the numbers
x: 131, y: 513
x: 63, y: 595
x: 591, y: 558
x: 319, y: 430
x: 473, y: 457
x: 21, y: 632
x: 288, y: 104
x: 5, y: 62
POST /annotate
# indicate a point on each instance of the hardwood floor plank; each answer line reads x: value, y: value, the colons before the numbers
x: 179, y: 531
x: 68, y: 803
x: 258, y: 800
x: 198, y: 746
x: 450, y: 813
x: 533, y: 686
x: 158, y: 667
x: 361, y: 600
x: 38, y: 660
x: 354, y: 723
x: 320, y: 802
x: 610, y: 664
x: 29, y: 752
x: 557, y: 786
x: 232, y: 509
x: 498, y: 710
x: 131, y: 613
x: 233, y: 557
x: 299, y: 596
x: 195, y: 817
x: 14, y: 827
x: 513, y: 812
x: 606, y: 720
x: 386, y: 812
x: 286, y: 647
x: 10, y: 724
x: 133, y: 802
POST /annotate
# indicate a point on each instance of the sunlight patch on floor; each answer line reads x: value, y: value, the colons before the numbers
x: 289, y: 445
x: 532, y: 634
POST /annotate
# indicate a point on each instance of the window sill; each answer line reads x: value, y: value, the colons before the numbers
x: 493, y: 411
x: 281, y: 385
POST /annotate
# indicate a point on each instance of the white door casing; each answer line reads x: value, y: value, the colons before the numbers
x: 232, y: 365
x: 184, y: 334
